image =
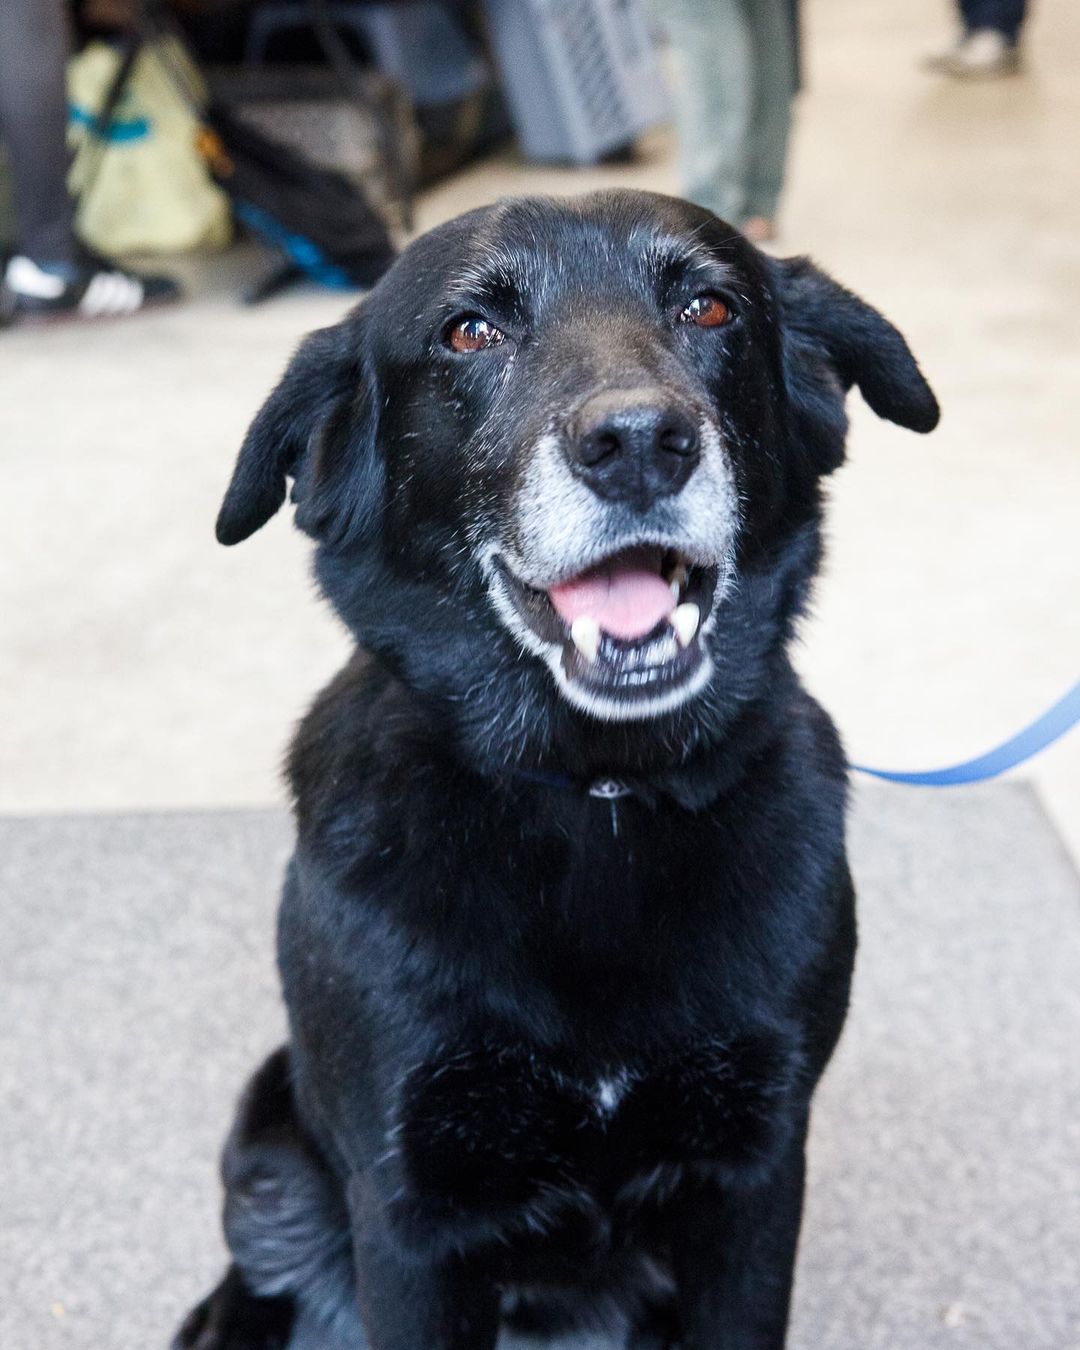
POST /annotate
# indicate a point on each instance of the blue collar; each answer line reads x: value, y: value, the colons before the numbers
x: 1036, y: 736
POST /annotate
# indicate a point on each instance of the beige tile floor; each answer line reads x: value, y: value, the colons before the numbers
x: 141, y: 666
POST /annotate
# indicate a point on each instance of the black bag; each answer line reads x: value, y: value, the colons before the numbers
x: 320, y: 220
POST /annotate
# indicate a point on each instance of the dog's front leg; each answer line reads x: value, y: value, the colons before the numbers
x: 412, y: 1303
x: 734, y: 1254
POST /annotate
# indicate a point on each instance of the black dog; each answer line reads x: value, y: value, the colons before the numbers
x: 567, y: 938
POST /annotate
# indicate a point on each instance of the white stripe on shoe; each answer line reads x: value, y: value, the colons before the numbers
x: 25, y: 277
x: 111, y: 293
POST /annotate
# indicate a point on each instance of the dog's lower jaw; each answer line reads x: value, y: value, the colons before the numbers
x: 608, y: 708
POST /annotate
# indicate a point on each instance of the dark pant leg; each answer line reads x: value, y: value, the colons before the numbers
x: 774, y: 86
x: 33, y: 122
x: 1007, y: 16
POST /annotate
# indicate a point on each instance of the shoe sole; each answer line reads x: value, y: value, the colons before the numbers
x: 48, y: 318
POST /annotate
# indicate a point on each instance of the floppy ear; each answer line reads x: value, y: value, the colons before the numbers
x: 827, y: 326
x: 317, y: 427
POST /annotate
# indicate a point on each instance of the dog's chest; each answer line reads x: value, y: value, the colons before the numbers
x: 491, y: 1128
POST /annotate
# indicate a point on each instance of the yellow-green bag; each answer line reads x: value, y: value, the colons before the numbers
x: 146, y: 189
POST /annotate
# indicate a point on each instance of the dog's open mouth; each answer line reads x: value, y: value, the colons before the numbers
x: 629, y: 627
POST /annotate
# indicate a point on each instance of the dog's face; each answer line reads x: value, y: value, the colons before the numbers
x: 552, y: 452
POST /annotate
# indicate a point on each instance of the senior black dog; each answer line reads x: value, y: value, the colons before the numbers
x: 567, y: 938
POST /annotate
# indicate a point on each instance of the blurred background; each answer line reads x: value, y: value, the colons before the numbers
x: 237, y: 169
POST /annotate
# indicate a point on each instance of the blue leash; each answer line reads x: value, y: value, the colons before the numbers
x: 1047, y: 729
x: 1051, y: 726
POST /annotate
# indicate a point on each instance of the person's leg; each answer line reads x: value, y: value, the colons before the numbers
x: 52, y: 274
x: 33, y: 124
x: 989, y: 44
x: 774, y: 88
x: 713, y: 95
x: 1003, y: 16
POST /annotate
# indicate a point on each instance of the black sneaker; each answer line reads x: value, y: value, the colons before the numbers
x: 92, y: 288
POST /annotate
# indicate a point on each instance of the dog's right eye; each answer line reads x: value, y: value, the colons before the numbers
x: 472, y: 334
x: 706, y: 311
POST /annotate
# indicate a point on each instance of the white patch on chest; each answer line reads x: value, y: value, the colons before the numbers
x: 608, y: 1093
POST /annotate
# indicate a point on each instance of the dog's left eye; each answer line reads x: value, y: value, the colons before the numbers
x: 472, y: 334
x: 706, y: 311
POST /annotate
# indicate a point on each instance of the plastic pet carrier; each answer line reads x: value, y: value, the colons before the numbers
x: 581, y: 76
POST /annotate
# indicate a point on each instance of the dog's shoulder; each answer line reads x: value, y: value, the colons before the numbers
x: 356, y: 747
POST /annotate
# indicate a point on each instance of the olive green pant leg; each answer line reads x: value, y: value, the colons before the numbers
x: 734, y: 79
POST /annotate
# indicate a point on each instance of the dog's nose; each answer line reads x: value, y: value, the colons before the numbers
x: 633, y: 447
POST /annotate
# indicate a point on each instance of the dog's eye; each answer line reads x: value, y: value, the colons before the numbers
x: 472, y: 334
x: 706, y: 311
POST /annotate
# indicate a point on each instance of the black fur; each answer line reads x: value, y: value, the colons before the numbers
x: 551, y: 1057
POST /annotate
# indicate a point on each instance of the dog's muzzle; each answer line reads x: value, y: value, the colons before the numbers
x: 618, y: 547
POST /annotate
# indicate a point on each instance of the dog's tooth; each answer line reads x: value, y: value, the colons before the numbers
x: 585, y: 634
x: 678, y: 578
x: 685, y: 620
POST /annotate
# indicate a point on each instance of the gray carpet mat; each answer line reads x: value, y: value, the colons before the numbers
x: 138, y: 990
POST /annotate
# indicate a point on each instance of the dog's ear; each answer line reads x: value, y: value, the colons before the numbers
x: 318, y: 428
x: 831, y: 335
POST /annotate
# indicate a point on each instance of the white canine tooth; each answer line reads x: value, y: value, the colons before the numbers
x: 685, y: 620
x: 585, y: 635
x: 677, y: 580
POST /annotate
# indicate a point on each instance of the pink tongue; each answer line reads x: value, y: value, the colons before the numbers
x: 626, y: 601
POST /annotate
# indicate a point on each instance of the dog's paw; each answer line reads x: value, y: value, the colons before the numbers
x: 233, y: 1318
